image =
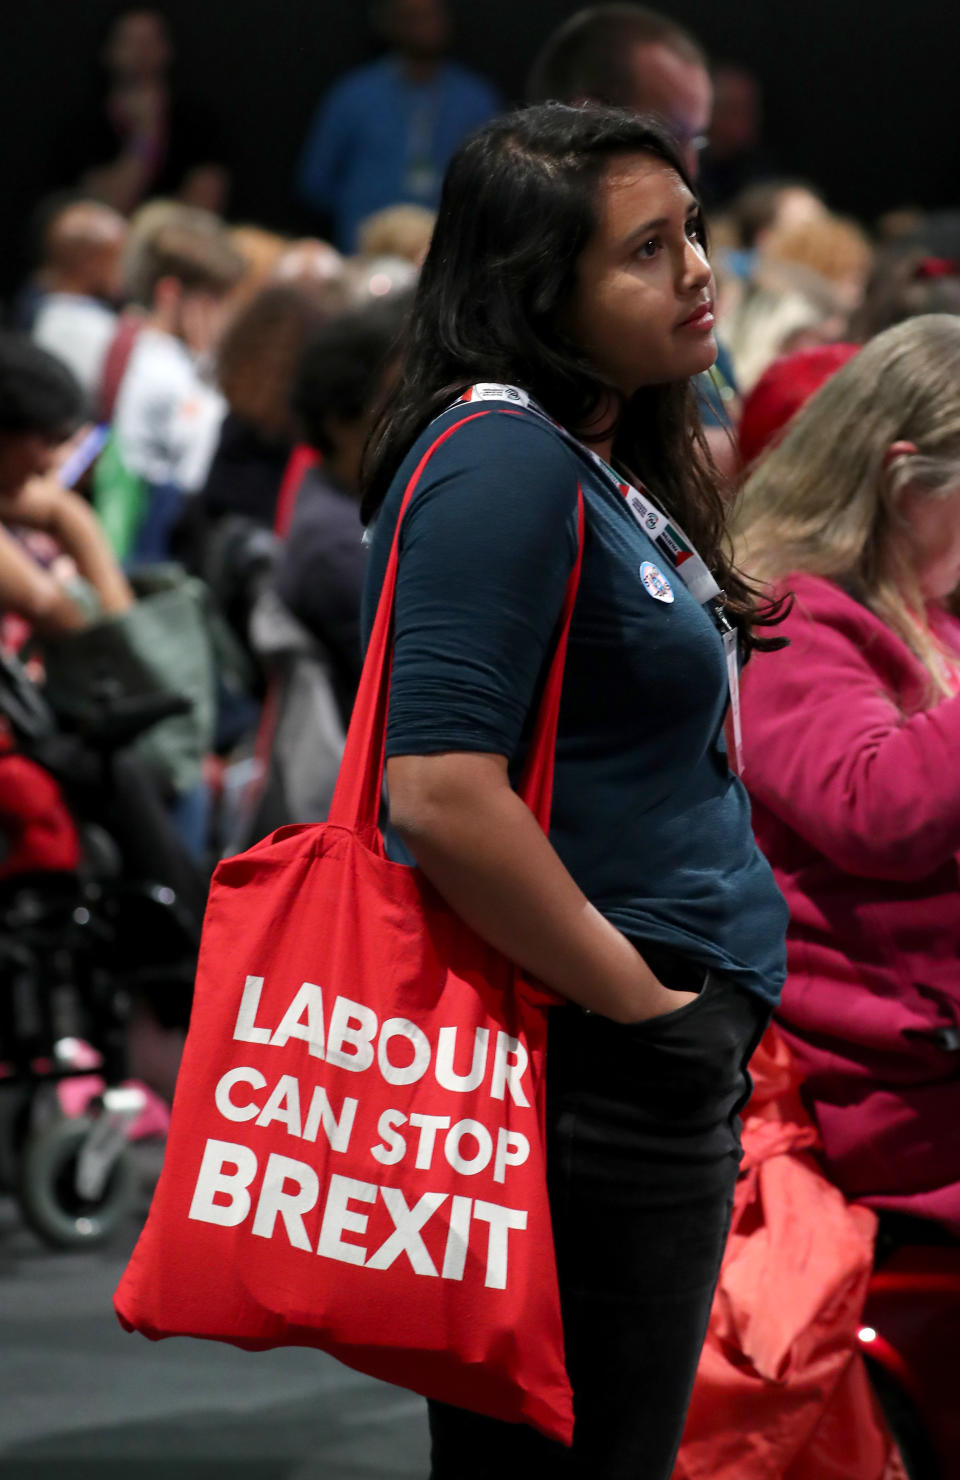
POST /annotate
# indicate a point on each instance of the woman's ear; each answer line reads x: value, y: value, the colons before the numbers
x: 898, y: 449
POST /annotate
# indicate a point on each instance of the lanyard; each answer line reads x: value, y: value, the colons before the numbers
x: 420, y: 102
x: 667, y: 536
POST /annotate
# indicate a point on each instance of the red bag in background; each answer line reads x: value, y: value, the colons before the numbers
x: 782, y: 1388
x: 356, y: 1158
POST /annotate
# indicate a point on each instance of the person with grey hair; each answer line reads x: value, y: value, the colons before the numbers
x: 386, y: 132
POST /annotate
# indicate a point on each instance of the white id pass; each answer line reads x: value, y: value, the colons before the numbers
x: 733, y: 679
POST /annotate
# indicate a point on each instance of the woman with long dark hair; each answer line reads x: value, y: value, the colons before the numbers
x: 567, y: 289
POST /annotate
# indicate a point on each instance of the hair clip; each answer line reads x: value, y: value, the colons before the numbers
x: 936, y: 267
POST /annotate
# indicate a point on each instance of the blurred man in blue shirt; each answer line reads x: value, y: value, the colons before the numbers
x: 386, y: 132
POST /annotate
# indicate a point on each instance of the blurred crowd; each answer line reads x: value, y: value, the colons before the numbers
x: 216, y: 379
x: 184, y: 403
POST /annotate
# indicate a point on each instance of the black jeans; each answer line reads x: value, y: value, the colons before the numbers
x: 643, y: 1151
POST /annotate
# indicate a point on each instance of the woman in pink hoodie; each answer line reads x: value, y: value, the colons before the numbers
x: 852, y: 758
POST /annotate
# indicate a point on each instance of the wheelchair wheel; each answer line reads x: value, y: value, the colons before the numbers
x: 52, y: 1204
x: 23, y: 1109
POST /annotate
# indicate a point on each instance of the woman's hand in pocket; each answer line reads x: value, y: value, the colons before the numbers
x: 482, y: 848
x: 658, y: 1000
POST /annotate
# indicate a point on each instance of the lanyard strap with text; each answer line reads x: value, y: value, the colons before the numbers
x: 668, y: 537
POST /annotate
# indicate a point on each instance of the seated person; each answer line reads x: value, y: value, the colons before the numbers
x: 167, y: 415
x: 256, y: 365
x: 851, y: 747
x: 223, y: 535
x: 833, y: 247
x: 906, y: 280
x: 397, y: 231
x: 762, y: 209
x: 782, y: 390
x: 321, y: 570
x: 80, y: 279
x: 41, y: 405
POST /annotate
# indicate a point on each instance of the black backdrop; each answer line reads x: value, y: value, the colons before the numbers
x: 861, y: 98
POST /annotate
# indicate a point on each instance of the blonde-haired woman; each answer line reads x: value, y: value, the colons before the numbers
x: 852, y: 757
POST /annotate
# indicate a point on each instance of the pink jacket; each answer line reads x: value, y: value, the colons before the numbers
x: 856, y: 796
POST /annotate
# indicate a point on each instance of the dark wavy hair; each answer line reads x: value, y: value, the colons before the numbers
x: 39, y: 395
x: 519, y: 205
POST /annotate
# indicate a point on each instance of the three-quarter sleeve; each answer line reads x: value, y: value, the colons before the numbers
x: 486, y: 549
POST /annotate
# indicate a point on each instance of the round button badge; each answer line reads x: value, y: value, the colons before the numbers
x: 655, y: 582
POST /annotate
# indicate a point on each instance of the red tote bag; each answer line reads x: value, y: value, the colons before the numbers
x: 356, y: 1156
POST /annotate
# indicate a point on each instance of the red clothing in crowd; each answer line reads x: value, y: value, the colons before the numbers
x: 856, y: 794
x: 781, y: 1387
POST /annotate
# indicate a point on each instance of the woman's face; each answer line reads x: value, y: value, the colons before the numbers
x: 642, y: 309
x: 934, y: 521
x: 25, y: 455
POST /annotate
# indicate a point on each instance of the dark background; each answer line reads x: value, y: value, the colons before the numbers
x: 860, y: 98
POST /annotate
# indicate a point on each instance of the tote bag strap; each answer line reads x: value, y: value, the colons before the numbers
x: 356, y: 799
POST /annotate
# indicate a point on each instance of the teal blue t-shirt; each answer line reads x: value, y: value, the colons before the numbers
x: 647, y: 815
